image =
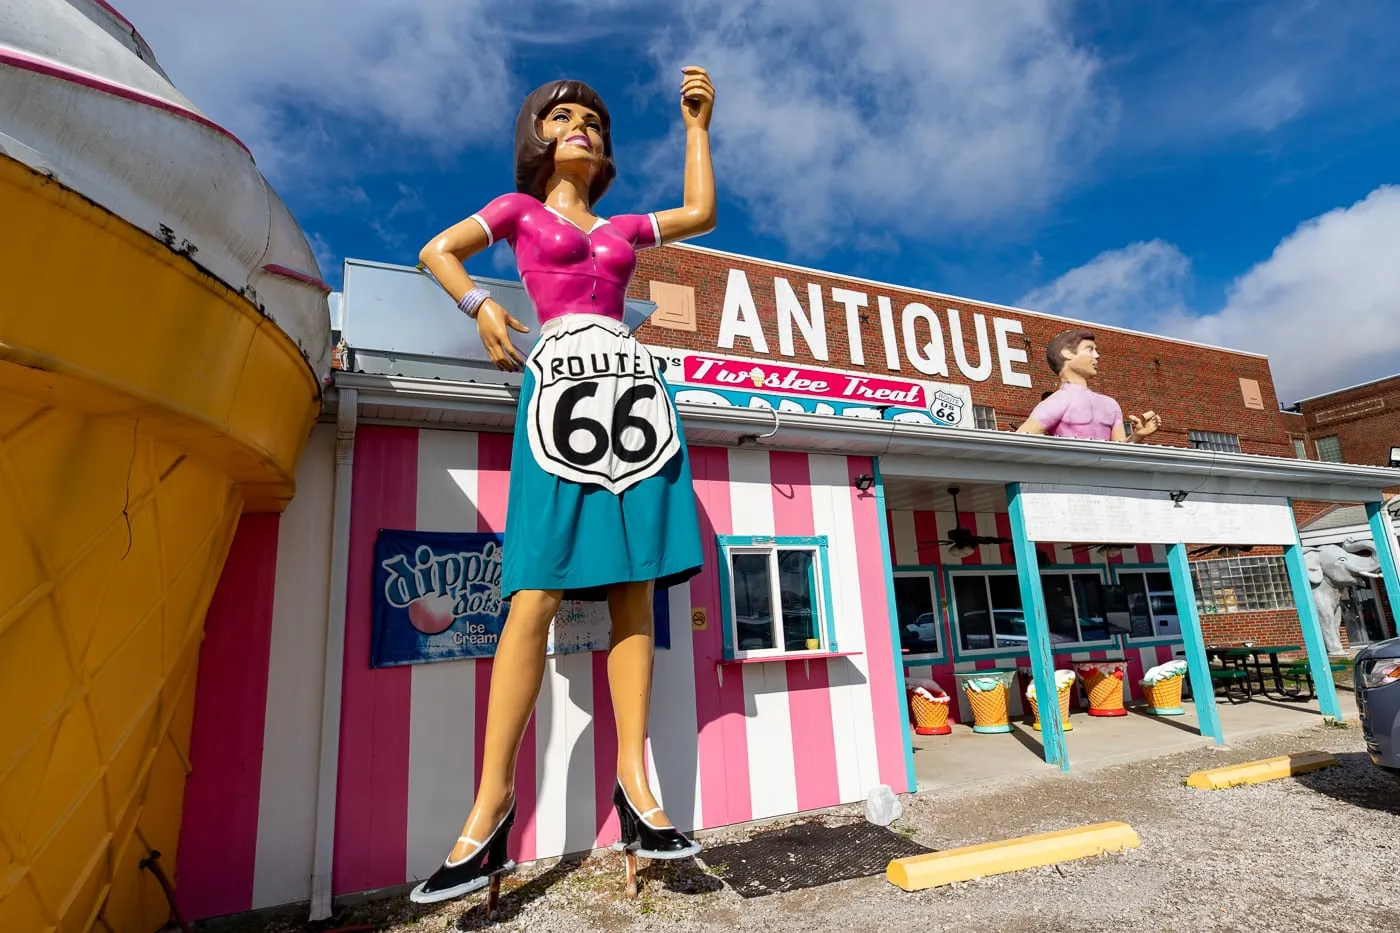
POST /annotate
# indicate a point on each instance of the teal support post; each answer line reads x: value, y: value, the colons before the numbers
x: 887, y: 555
x: 1197, y: 665
x: 1384, y: 537
x: 1052, y: 731
x: 1319, y: 665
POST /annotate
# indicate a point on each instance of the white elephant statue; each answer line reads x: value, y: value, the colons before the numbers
x: 1332, y: 568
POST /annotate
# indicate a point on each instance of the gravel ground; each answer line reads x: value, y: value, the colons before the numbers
x: 1320, y: 852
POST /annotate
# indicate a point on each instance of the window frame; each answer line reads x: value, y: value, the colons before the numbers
x: 818, y: 545
x: 1317, y: 448
x: 1201, y: 440
x: 939, y: 610
x: 1144, y: 569
x: 967, y: 654
x: 1283, y: 588
x: 978, y: 410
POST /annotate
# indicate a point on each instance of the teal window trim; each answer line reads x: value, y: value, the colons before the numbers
x: 1154, y: 641
x: 960, y: 654
x: 941, y: 655
x: 726, y: 545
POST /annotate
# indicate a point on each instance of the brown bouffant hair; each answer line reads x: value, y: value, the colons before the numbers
x: 1068, y: 340
x: 534, y: 157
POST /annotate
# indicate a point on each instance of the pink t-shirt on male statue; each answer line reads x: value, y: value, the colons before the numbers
x: 1078, y: 411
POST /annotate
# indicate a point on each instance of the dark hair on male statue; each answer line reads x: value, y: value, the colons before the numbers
x: 534, y: 157
x: 1068, y: 340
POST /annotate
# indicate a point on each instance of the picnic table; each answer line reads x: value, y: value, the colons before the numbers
x: 1238, y: 657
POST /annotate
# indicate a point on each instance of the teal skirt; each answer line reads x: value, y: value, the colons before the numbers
x: 580, y: 536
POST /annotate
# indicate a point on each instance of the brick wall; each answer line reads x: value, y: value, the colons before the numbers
x: 1279, y: 627
x: 1365, y: 420
x: 1192, y: 387
x: 1305, y: 510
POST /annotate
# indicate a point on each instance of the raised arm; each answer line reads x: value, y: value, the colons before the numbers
x: 697, y: 214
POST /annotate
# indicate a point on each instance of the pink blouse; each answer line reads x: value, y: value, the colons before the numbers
x: 565, y: 269
x: 1078, y: 411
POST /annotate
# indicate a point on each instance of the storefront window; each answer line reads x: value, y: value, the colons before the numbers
x: 776, y: 596
x: 917, y: 612
x: 987, y: 609
x: 1151, y: 603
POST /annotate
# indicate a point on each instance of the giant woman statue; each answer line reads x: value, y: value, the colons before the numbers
x: 601, y: 504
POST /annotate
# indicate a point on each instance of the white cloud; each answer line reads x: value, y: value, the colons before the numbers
x: 912, y: 118
x: 434, y: 71
x: 1144, y: 280
x: 1325, y: 306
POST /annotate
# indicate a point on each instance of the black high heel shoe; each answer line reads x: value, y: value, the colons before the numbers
x: 641, y: 838
x: 483, y: 867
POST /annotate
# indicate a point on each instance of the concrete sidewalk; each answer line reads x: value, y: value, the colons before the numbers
x: 966, y: 758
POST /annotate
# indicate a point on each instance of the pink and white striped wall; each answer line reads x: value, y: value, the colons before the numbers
x: 908, y: 528
x: 728, y: 743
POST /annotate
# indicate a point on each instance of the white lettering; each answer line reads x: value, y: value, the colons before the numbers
x: 705, y: 366
x: 887, y: 332
x: 740, y: 317
x: 983, y: 369
x: 932, y: 358
x: 813, y: 328
x: 1007, y: 355
x: 853, y: 301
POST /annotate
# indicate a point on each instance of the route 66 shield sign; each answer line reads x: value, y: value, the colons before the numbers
x: 599, y: 412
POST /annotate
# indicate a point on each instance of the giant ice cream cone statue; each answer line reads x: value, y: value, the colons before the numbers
x: 163, y: 337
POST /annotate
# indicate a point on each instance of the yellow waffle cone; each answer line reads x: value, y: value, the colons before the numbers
x: 1064, y: 693
x: 930, y: 718
x: 1164, y: 695
x: 142, y: 405
x: 989, y: 708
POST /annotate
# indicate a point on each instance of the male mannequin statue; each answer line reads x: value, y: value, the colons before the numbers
x: 1075, y: 410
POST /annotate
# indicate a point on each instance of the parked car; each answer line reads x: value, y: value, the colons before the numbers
x: 1377, y: 681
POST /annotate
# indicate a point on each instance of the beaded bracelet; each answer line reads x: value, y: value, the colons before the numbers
x: 471, y: 302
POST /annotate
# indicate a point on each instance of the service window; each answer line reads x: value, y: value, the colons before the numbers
x: 776, y: 596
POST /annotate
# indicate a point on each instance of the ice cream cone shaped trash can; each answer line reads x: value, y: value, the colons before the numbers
x: 1103, y: 685
x: 1064, y: 683
x: 1161, y: 688
x: 147, y: 400
x: 928, y: 706
x: 989, y: 693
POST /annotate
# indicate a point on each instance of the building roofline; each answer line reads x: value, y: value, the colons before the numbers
x: 986, y: 456
x: 826, y: 273
x: 1359, y: 385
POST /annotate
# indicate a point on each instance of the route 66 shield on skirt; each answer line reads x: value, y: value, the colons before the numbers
x: 599, y: 413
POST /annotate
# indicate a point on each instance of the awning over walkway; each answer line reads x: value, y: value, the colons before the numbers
x: 912, y: 451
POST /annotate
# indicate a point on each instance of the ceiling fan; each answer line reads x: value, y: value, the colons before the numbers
x: 1108, y: 550
x: 1223, y: 550
x: 960, y: 541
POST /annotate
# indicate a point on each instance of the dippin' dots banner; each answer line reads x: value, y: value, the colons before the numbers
x: 437, y: 597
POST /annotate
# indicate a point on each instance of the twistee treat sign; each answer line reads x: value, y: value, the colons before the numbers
x: 712, y: 379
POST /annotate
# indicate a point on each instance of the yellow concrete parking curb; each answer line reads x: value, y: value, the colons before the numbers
x: 995, y: 858
x: 1257, y: 772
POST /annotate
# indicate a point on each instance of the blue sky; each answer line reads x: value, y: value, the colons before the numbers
x: 1218, y: 171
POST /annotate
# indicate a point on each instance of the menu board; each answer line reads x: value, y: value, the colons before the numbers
x: 1100, y: 515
